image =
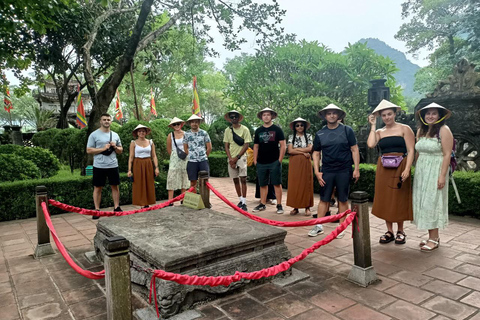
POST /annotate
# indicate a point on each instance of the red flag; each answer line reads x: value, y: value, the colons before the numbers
x: 196, y: 101
x: 7, y: 101
x: 81, y: 120
x: 153, y: 110
x: 118, y: 108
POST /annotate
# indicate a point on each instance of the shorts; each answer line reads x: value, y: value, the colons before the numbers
x: 100, y: 176
x: 269, y: 173
x: 193, y: 168
x: 241, y: 170
x: 340, y: 180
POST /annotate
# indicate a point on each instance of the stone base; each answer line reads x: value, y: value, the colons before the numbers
x: 363, y: 276
x: 195, y: 242
x: 150, y: 314
x: 296, y: 277
x: 43, y: 250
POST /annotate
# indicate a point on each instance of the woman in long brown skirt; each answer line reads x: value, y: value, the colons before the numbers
x: 300, y: 172
x: 143, y: 159
x: 393, y: 185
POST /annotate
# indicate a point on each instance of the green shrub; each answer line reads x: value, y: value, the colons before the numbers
x: 162, y: 125
x: 77, y: 148
x: 18, y: 198
x: 60, y: 144
x: 468, y: 185
x: 45, y: 138
x: 15, y: 168
x: 46, y: 162
x: 216, y: 132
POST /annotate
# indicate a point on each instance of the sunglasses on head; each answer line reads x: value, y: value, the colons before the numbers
x: 233, y: 116
x: 298, y: 125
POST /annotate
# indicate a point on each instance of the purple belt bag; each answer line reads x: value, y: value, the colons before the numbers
x: 391, y: 161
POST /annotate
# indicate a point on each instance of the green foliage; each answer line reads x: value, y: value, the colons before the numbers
x: 44, y: 160
x: 59, y: 145
x: 468, y: 184
x: 162, y: 125
x: 45, y: 138
x: 19, y: 196
x: 216, y: 132
x: 15, y: 167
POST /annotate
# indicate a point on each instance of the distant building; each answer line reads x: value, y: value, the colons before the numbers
x: 48, y: 99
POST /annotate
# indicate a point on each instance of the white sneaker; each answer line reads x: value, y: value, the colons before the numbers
x: 272, y: 201
x: 317, y: 229
x: 341, y: 234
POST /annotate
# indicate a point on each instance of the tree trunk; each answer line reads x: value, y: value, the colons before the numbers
x: 63, y: 120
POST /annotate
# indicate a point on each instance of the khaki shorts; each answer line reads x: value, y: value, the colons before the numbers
x: 241, y: 170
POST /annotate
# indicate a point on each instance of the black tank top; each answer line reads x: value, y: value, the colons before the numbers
x: 392, y: 144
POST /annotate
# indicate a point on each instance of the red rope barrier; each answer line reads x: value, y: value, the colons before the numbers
x: 194, y: 280
x: 303, y: 223
x: 63, y: 251
x: 89, y: 212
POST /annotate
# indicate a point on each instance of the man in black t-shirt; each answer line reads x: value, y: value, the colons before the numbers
x: 268, y: 157
x: 339, y: 150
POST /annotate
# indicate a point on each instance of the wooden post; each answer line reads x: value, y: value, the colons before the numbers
x: 362, y: 272
x: 117, y: 278
x: 204, y: 191
x: 43, y: 247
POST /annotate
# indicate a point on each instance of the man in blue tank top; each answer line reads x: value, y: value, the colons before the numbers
x: 339, y: 151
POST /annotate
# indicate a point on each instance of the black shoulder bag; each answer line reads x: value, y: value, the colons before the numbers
x: 109, y: 150
x: 181, y: 154
x: 237, y: 139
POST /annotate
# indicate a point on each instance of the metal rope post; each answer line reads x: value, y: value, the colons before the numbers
x: 43, y: 247
x: 117, y: 278
x: 362, y: 272
x: 204, y: 190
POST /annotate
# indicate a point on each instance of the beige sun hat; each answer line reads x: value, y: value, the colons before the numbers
x: 227, y: 115
x: 300, y: 120
x: 331, y: 106
x: 175, y: 120
x: 194, y: 117
x: 273, y: 112
x: 433, y: 105
x: 141, y: 126
x: 385, y: 104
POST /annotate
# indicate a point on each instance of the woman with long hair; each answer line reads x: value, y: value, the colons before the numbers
x: 430, y: 186
x: 177, y: 177
x: 142, y: 153
x: 300, y: 171
x: 393, y: 185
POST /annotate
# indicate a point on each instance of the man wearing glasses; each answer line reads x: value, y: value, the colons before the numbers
x: 339, y: 149
x: 236, y: 140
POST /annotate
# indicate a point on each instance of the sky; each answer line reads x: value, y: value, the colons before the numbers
x: 335, y: 23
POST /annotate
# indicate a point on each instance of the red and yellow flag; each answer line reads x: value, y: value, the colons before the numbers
x: 118, y: 108
x: 196, y: 101
x: 153, y: 110
x: 7, y: 101
x: 81, y: 120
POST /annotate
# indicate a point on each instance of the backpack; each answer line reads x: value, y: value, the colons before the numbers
x: 249, y: 153
x: 453, y: 159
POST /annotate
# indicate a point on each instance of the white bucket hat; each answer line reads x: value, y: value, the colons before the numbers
x: 385, y: 104
x: 307, y: 124
x: 274, y: 113
x: 331, y: 106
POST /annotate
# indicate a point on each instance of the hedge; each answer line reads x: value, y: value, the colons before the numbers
x: 468, y: 183
x: 15, y: 168
x: 18, y: 198
x: 46, y: 162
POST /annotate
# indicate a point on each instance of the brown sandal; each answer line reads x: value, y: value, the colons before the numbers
x: 294, y: 212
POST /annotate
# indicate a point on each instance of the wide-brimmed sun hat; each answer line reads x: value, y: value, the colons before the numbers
x: 141, y: 126
x: 385, y: 104
x: 273, y: 112
x: 175, y: 120
x: 300, y: 120
x: 227, y: 115
x: 194, y: 117
x: 434, y: 105
x: 331, y: 106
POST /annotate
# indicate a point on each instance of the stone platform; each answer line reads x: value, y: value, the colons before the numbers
x: 196, y: 242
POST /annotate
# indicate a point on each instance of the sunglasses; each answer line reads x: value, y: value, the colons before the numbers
x: 233, y: 116
x: 176, y: 124
x: 298, y: 125
x: 399, y: 184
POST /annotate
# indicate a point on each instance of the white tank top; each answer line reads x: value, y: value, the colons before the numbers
x: 143, y: 152
x: 179, y: 143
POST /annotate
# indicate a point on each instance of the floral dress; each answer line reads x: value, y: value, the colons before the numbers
x: 177, y: 177
x: 430, y: 205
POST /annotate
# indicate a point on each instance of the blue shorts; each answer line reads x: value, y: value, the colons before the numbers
x: 193, y: 168
x: 269, y: 173
x: 340, y: 180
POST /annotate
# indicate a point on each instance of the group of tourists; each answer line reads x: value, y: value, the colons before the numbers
x: 335, y: 156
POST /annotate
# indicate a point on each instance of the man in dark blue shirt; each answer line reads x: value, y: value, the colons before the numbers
x: 339, y: 150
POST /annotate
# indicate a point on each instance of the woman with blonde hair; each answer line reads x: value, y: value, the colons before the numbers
x: 300, y: 171
x: 177, y: 178
x: 393, y: 185
x: 142, y: 153
x: 430, y: 186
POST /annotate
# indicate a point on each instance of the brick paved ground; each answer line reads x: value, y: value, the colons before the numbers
x: 444, y: 284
